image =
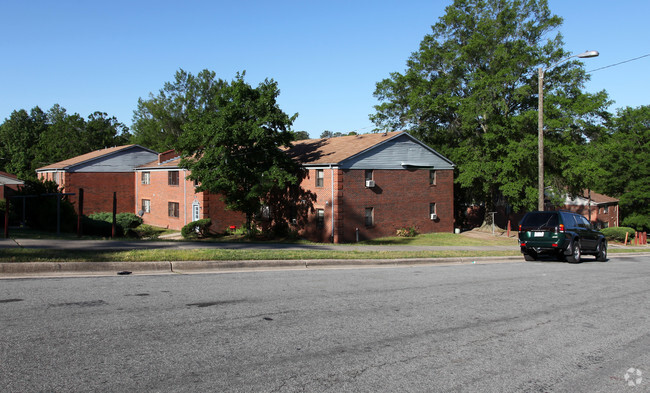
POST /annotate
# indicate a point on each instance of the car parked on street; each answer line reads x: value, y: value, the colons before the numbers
x: 562, y: 234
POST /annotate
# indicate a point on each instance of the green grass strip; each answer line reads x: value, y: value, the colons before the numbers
x: 38, y: 255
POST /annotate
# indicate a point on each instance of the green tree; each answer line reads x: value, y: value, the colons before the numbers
x: 470, y: 92
x: 300, y: 135
x: 102, y: 131
x: 326, y: 134
x: 233, y: 143
x: 623, y: 158
x: 63, y: 137
x: 19, y: 135
x: 158, y: 121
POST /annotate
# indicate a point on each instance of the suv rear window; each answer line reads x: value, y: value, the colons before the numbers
x: 540, y: 220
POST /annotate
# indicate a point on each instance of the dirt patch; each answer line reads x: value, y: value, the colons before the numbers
x: 481, y: 233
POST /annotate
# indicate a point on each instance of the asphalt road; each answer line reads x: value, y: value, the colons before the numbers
x: 513, y: 327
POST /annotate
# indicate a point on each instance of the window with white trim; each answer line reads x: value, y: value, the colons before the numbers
x: 146, y: 206
x: 370, y: 216
x: 173, y: 209
x: 172, y: 178
x: 432, y: 177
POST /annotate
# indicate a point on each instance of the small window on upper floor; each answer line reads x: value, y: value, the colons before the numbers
x: 320, y: 177
x: 172, y: 178
x: 432, y: 177
x: 433, y: 214
x: 146, y: 177
x: 369, y: 174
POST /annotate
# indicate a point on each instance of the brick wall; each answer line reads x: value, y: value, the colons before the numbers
x: 599, y: 217
x: 400, y: 198
x: 98, y: 190
x: 160, y: 193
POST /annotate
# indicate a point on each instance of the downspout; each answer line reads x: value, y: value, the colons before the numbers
x: 184, y: 197
x: 136, y: 194
x: 332, y: 181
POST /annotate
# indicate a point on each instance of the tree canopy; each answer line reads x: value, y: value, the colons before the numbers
x: 233, y: 143
x: 470, y: 92
x: 32, y: 140
x: 623, y: 159
x: 158, y: 121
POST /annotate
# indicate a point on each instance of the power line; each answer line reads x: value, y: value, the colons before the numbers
x: 623, y: 62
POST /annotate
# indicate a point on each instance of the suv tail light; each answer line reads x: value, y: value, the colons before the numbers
x: 561, y: 228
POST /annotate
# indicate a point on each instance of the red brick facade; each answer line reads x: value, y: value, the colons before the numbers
x: 401, y: 198
x: 602, y: 216
x: 160, y: 194
x: 98, y: 190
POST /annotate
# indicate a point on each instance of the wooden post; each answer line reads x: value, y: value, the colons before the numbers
x: 626, y: 235
x: 4, y: 192
x: 81, y: 212
x: 114, y: 214
x: 58, y: 214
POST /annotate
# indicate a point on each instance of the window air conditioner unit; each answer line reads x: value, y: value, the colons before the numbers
x: 370, y: 183
x: 434, y: 216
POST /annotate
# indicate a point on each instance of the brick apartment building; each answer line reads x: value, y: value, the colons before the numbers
x: 8, y: 184
x: 165, y: 198
x: 100, y: 173
x: 367, y: 186
x: 370, y: 185
x: 600, y: 209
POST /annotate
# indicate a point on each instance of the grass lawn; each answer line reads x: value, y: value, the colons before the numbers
x: 342, y: 252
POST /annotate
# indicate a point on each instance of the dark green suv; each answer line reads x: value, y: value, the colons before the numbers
x: 565, y: 235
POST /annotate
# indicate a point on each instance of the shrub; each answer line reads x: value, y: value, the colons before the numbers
x: 125, y: 223
x: 617, y: 233
x: 410, y: 231
x: 198, y: 228
x: 97, y: 227
x: 128, y: 221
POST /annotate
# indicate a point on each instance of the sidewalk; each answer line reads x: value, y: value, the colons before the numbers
x: 27, y: 269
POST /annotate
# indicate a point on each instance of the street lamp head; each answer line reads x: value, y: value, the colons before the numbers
x: 587, y: 54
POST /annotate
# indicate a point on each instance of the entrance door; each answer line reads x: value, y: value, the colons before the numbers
x: 196, y: 211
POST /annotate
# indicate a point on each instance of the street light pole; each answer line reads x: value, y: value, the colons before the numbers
x: 540, y: 124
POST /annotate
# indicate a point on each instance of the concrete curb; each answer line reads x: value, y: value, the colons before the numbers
x: 9, y: 269
x: 19, y: 269
x: 24, y: 268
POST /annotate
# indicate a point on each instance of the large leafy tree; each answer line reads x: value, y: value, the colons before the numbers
x: 233, y: 143
x: 19, y: 135
x: 31, y: 140
x: 470, y: 92
x: 102, y: 131
x: 63, y: 137
x: 158, y: 120
x: 623, y: 156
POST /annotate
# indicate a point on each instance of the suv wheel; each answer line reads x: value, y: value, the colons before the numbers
x: 601, y: 256
x: 575, y: 252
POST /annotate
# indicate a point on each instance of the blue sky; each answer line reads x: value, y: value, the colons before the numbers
x: 326, y: 56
